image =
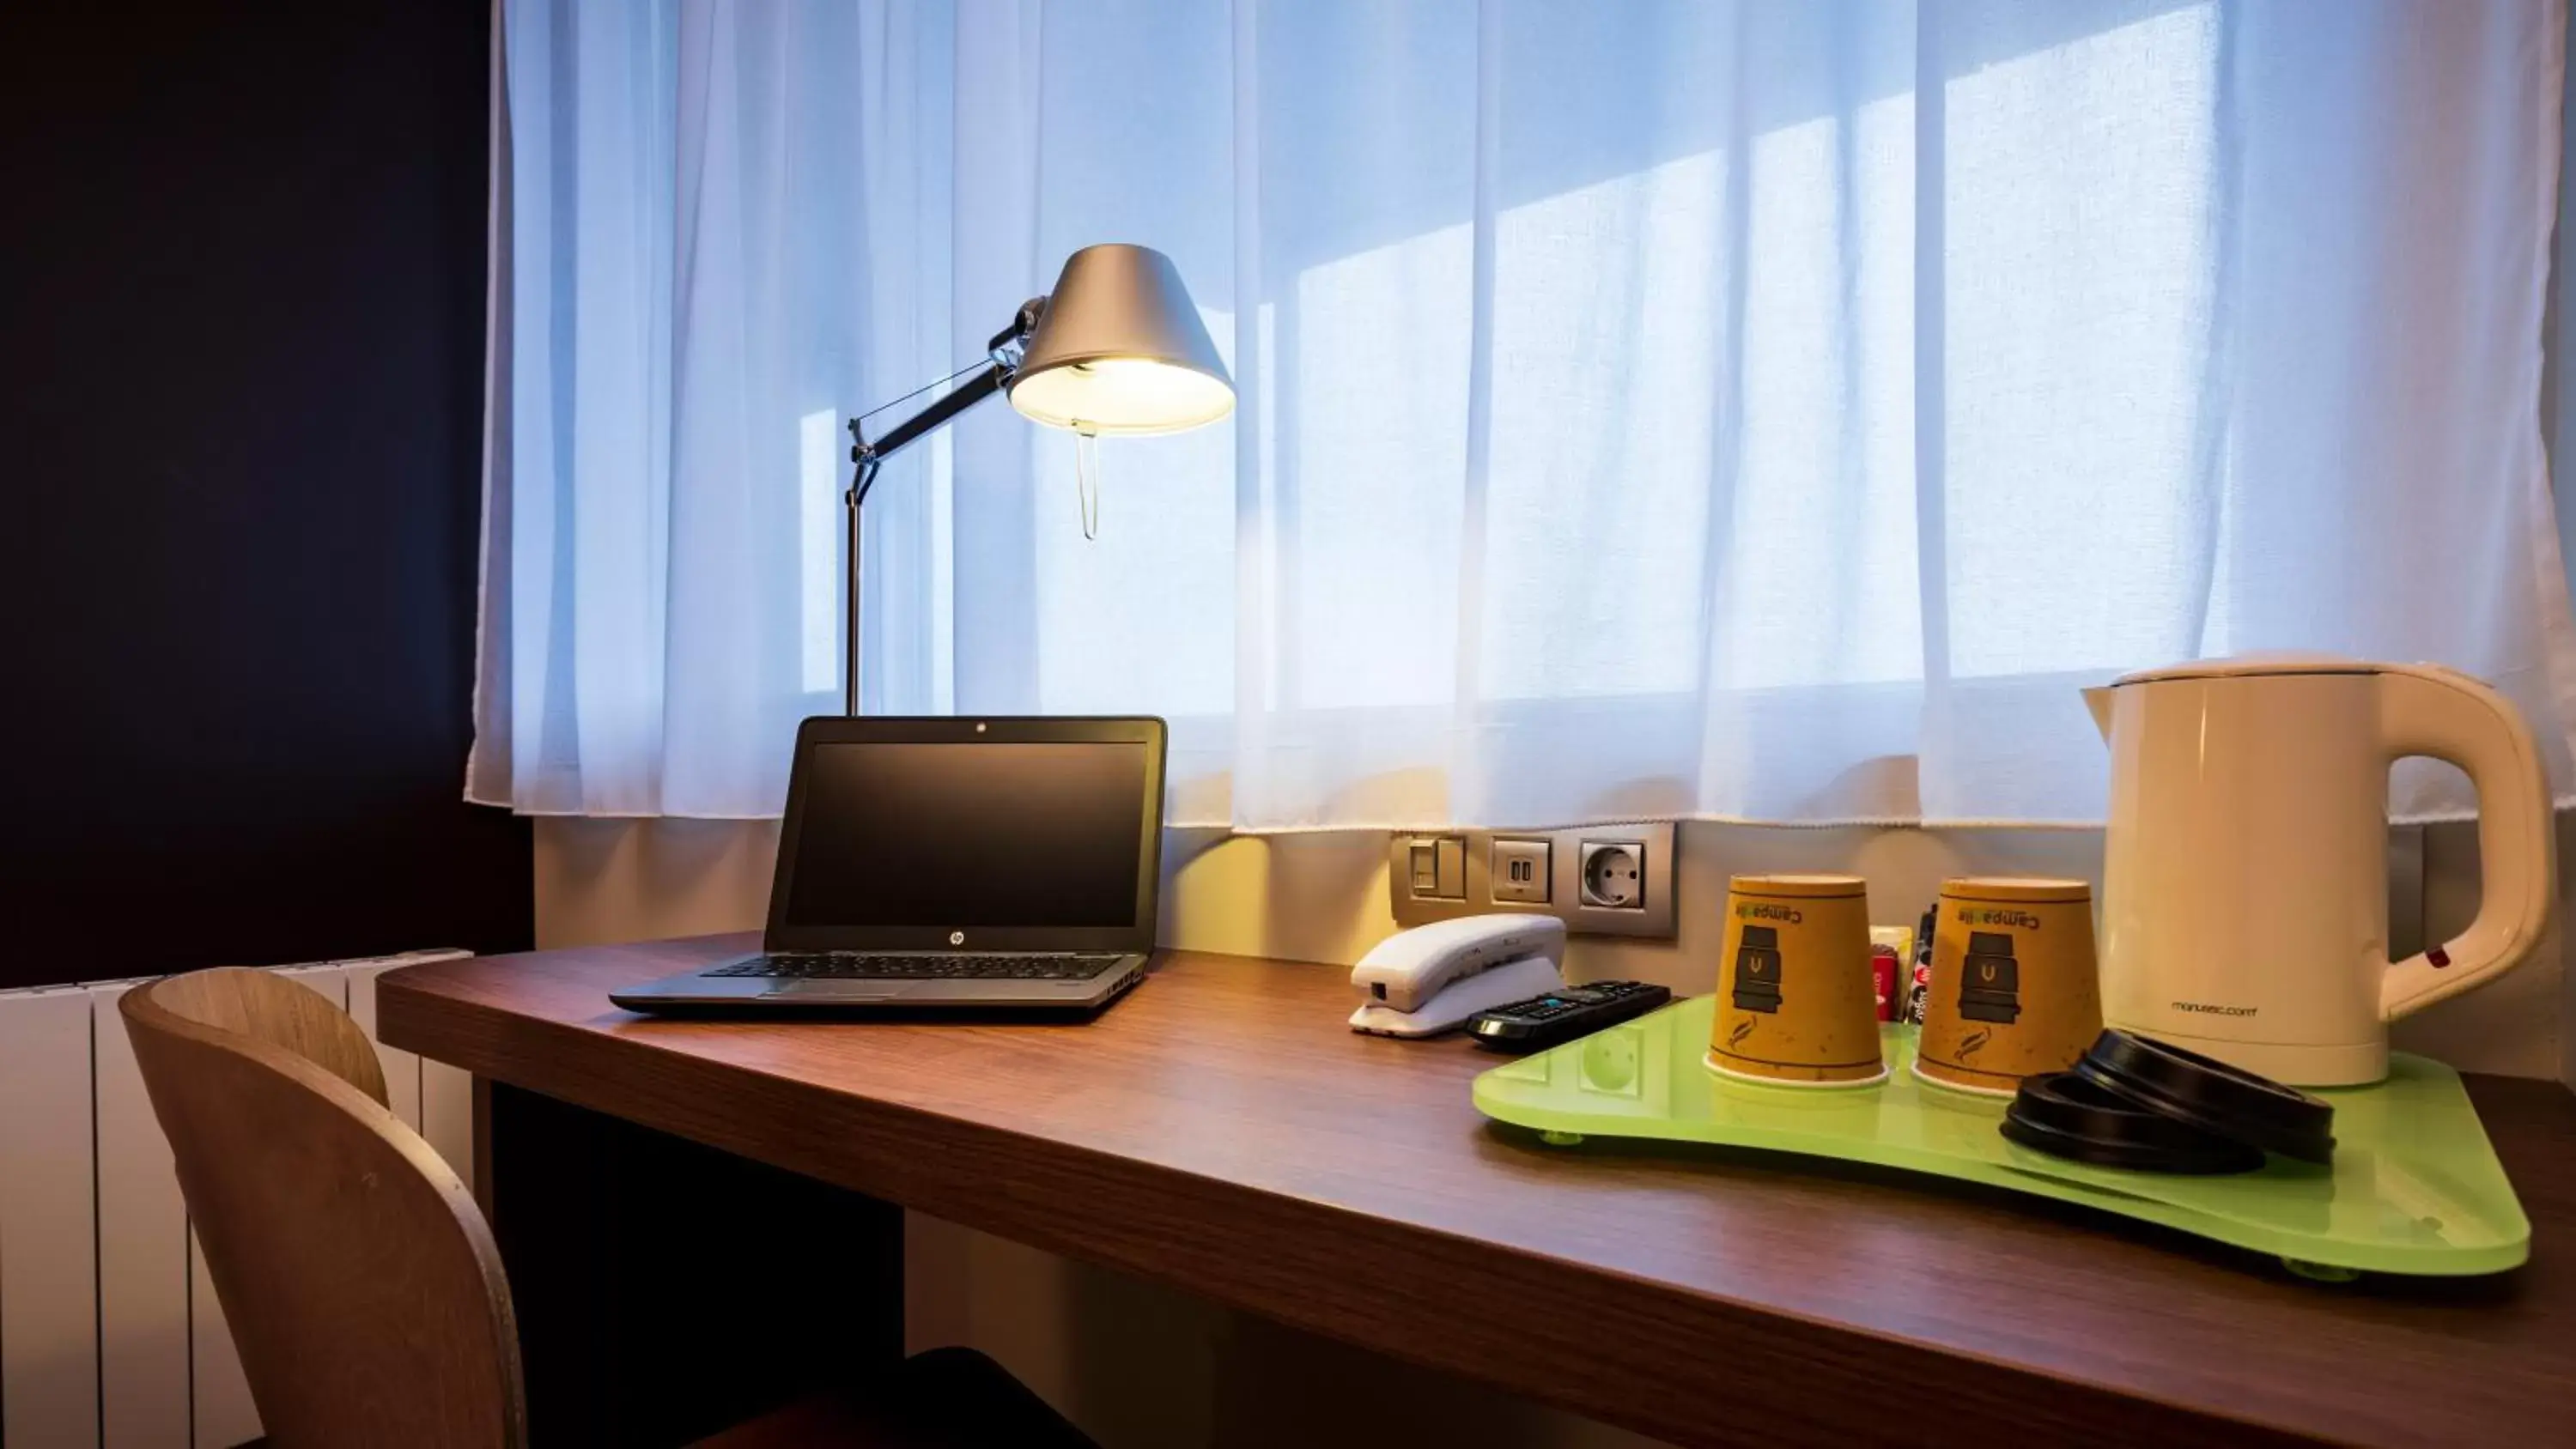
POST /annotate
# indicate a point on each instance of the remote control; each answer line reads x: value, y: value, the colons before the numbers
x: 1563, y: 1014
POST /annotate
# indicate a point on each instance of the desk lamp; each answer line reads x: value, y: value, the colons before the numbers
x: 1115, y: 348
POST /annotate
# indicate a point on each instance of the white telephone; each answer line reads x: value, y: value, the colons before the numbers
x: 1432, y: 978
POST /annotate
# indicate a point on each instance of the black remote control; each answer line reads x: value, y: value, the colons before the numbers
x: 1563, y: 1014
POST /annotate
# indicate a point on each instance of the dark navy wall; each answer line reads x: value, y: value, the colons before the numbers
x: 241, y: 349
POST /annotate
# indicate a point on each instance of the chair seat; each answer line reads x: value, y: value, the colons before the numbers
x: 946, y: 1398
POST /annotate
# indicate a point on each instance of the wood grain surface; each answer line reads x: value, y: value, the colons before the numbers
x: 1222, y: 1130
x: 360, y: 1282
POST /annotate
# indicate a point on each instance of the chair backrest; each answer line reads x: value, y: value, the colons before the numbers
x: 360, y: 1281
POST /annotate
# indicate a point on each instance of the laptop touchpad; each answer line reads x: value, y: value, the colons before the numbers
x: 840, y: 990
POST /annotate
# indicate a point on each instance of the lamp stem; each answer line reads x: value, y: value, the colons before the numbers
x: 860, y: 482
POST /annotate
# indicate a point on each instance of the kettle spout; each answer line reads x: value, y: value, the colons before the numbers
x: 2098, y: 700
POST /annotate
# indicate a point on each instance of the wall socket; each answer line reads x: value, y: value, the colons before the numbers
x: 1611, y: 874
x: 1603, y: 880
x: 1520, y: 872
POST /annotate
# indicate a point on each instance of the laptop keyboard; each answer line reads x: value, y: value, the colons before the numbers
x: 862, y: 966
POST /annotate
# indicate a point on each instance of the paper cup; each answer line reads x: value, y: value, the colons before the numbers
x: 2015, y: 991
x: 1795, y: 1003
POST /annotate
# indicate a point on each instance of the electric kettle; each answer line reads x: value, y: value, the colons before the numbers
x: 2245, y: 890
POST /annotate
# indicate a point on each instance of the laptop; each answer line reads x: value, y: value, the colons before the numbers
x: 952, y: 863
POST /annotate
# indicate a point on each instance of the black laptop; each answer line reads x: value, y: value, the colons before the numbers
x: 953, y: 863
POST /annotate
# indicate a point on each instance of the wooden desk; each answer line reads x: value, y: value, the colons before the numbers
x: 1221, y: 1130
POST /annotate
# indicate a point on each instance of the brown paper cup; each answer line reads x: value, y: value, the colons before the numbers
x: 2015, y: 991
x: 1795, y: 1004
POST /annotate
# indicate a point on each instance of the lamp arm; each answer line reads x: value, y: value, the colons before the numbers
x: 1004, y: 350
x: 870, y: 456
x: 930, y: 419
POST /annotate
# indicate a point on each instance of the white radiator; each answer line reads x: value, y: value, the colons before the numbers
x: 109, y: 1330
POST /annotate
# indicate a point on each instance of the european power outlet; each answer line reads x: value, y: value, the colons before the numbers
x: 1613, y: 874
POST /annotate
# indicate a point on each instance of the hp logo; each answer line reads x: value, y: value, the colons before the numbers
x: 957, y: 938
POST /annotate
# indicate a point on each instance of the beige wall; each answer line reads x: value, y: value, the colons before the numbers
x: 1142, y: 1367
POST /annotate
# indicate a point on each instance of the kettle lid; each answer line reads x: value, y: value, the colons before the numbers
x: 2251, y: 666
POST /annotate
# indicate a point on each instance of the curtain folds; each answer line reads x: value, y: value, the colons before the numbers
x: 1668, y: 410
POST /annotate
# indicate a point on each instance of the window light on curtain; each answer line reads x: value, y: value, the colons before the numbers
x: 1750, y: 411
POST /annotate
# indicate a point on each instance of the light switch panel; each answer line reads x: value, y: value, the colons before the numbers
x: 1424, y: 858
x: 1452, y: 856
x: 1475, y: 872
x: 1435, y: 868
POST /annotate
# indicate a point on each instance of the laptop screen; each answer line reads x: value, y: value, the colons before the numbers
x: 966, y: 836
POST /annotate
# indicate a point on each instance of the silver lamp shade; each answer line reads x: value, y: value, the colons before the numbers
x: 1120, y: 349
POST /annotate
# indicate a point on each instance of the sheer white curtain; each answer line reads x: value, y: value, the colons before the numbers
x: 1764, y: 411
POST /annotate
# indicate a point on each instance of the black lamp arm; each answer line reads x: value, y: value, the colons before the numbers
x: 1004, y: 350
x: 925, y: 422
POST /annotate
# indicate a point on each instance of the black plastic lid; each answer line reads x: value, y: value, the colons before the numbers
x: 2211, y: 1095
x: 2068, y: 1116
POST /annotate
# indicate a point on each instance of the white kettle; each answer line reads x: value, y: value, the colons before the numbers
x: 2245, y: 893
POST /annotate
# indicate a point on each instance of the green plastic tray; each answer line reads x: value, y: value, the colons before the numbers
x: 2414, y: 1187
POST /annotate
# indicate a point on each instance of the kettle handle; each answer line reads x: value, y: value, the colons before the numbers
x: 2426, y: 710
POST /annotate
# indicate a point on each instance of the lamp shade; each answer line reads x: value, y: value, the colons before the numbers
x: 1120, y: 349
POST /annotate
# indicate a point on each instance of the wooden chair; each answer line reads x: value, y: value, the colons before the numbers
x: 360, y: 1280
